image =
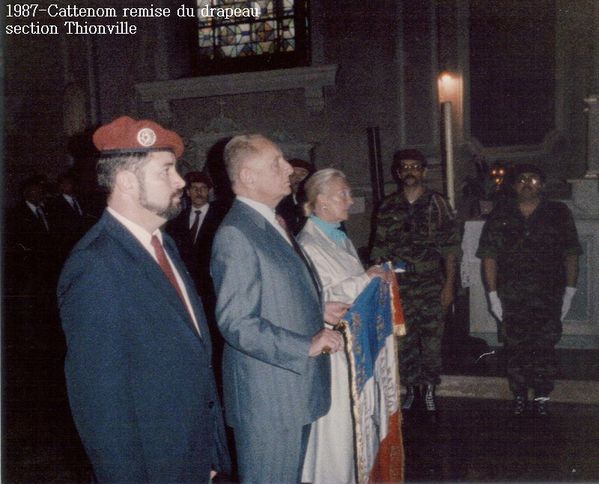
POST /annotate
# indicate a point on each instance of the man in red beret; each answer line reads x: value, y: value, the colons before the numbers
x: 138, y: 369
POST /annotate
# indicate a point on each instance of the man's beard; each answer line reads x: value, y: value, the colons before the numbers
x: 169, y: 212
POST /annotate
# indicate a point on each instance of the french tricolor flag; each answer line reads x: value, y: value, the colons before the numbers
x: 373, y: 321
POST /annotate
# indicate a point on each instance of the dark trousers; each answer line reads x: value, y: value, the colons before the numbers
x: 532, y: 328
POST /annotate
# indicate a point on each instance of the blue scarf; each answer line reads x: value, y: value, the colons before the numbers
x: 331, y: 230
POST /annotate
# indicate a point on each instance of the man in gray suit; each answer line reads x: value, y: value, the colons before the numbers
x: 269, y: 310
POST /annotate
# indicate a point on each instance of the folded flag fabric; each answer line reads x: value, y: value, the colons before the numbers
x: 371, y: 325
x: 397, y: 314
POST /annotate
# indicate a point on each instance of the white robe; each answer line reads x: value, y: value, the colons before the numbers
x: 330, y: 454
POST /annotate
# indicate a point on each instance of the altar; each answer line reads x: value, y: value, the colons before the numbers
x: 581, y: 325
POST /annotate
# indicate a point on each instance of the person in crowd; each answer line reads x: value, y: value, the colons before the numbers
x: 290, y: 208
x: 330, y: 454
x: 529, y: 249
x: 31, y: 242
x: 416, y: 231
x: 276, y: 358
x: 67, y: 215
x: 138, y: 365
x: 193, y: 231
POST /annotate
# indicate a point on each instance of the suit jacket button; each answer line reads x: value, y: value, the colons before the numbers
x: 210, y: 404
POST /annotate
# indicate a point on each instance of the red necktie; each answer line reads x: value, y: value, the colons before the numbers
x: 166, y: 266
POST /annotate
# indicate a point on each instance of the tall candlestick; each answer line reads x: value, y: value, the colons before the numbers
x: 448, y: 141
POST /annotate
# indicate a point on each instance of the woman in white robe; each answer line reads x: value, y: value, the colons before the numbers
x: 330, y: 455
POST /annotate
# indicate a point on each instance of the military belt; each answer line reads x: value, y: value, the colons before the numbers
x: 417, y: 267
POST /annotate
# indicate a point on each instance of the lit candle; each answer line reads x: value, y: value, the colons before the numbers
x: 449, y: 173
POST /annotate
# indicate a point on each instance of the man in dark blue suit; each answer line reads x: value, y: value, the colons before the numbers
x: 139, y: 378
x: 68, y: 218
x: 32, y: 265
x: 193, y: 231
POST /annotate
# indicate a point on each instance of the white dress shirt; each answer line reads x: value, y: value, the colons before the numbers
x: 145, y: 239
x: 192, y: 216
x: 268, y: 213
x: 39, y: 213
x: 73, y: 203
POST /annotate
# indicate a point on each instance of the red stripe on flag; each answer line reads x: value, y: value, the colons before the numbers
x: 389, y: 464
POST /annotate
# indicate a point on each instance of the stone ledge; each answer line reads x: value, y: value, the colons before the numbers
x: 312, y: 80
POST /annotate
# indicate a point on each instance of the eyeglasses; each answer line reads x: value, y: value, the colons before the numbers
x: 530, y: 179
x: 411, y: 167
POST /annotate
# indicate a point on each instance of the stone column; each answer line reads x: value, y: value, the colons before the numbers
x: 593, y: 136
x: 585, y: 191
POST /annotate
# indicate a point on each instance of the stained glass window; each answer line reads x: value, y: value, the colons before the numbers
x: 251, y: 35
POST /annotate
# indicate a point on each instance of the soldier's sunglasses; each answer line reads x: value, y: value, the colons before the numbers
x: 531, y: 179
x: 411, y: 167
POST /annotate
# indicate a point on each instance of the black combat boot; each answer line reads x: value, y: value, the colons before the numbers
x: 429, y: 399
x: 412, y: 394
x: 519, y: 406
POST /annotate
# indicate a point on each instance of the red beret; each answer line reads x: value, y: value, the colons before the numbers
x: 125, y: 134
x: 198, y: 177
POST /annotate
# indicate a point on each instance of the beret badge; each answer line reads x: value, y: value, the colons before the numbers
x: 146, y: 137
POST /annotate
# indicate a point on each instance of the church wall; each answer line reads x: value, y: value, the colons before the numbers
x: 360, y: 40
x: 32, y: 118
x: 388, y: 56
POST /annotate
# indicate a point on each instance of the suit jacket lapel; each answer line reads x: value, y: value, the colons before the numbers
x: 269, y: 231
x: 68, y: 207
x: 194, y: 299
x: 151, y: 269
x: 206, y: 226
x: 34, y: 219
x: 279, y: 241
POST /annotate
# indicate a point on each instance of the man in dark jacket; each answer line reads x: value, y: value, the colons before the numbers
x: 138, y: 365
x: 193, y: 232
x: 68, y: 217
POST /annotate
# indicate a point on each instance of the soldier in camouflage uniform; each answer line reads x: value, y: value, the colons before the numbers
x: 416, y: 227
x: 529, y: 248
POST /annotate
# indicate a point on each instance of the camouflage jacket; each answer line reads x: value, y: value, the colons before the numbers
x: 416, y: 233
x: 530, y: 251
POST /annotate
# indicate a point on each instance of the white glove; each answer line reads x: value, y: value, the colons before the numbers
x: 567, y: 302
x: 496, y: 308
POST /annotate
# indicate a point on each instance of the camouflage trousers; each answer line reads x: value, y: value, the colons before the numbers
x: 420, y: 348
x: 532, y: 327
